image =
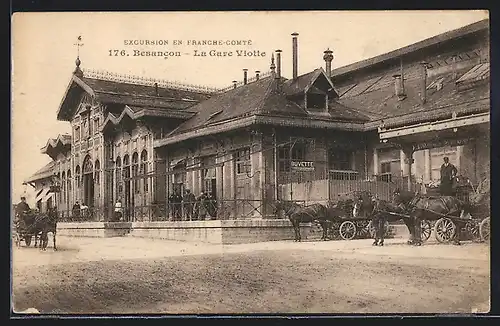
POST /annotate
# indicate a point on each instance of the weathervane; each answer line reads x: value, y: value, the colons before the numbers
x: 78, y: 45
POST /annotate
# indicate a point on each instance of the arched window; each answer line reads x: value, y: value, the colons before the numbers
x: 119, y: 185
x: 87, y: 165
x: 126, y: 169
x: 135, y: 167
x: 62, y: 194
x: 144, y: 169
x: 97, y: 172
x: 68, y: 196
x: 77, y: 177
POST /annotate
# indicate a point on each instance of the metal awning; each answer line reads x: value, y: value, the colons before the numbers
x: 455, y: 122
x: 41, y: 194
x: 47, y: 196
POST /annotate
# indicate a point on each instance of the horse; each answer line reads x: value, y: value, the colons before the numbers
x: 48, y: 224
x: 304, y: 214
x: 382, y: 211
x: 29, y: 223
x: 433, y: 208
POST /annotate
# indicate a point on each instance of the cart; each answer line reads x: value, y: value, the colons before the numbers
x: 24, y: 229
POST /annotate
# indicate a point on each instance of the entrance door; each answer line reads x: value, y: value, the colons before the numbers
x: 88, y: 184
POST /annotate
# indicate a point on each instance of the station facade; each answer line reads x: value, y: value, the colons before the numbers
x: 378, y: 124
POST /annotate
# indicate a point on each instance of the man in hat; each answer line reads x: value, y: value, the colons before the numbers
x: 448, y: 174
x: 22, y: 208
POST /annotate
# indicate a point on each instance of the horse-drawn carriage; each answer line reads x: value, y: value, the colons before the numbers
x: 25, y: 228
x: 32, y: 224
x: 346, y: 226
x: 473, y: 223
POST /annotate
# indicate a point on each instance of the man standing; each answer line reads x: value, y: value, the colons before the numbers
x: 76, y: 211
x: 118, y: 210
x: 188, y: 202
x: 22, y: 207
x: 448, y: 174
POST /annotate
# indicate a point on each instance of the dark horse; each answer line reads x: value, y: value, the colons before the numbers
x: 29, y: 224
x: 304, y: 214
x: 382, y: 211
x: 48, y: 224
x: 434, y: 208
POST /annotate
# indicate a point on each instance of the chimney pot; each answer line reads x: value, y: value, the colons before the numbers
x: 328, y: 57
x: 234, y: 84
x: 245, y: 76
x: 257, y: 74
x: 278, y: 64
x: 295, y: 55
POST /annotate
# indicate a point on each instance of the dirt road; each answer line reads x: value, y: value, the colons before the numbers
x: 123, y: 275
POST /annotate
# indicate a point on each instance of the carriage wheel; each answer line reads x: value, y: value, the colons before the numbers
x: 426, y: 230
x: 444, y: 230
x: 334, y: 231
x: 371, y: 229
x: 472, y: 230
x: 347, y: 230
x: 27, y: 240
x: 484, y: 229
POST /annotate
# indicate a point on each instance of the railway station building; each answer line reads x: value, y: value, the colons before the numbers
x: 375, y: 125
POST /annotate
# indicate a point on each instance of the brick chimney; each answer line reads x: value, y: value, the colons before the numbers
x: 245, y: 76
x: 278, y: 64
x: 398, y: 87
x: 295, y: 55
x: 257, y: 74
x: 272, y: 67
x: 328, y: 57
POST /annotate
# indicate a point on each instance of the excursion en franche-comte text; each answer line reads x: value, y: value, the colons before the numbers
x: 207, y: 48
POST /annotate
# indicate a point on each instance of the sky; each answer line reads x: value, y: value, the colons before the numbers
x: 44, y: 53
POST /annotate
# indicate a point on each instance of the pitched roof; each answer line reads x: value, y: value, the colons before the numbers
x: 396, y: 54
x: 128, y: 93
x: 260, y: 97
x: 43, y: 173
x: 381, y: 102
x: 239, y: 102
x: 62, y: 139
x: 306, y: 81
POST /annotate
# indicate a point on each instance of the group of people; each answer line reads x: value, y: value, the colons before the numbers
x: 80, y: 211
x: 189, y: 208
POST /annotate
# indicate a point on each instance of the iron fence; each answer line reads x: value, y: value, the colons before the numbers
x: 180, y: 211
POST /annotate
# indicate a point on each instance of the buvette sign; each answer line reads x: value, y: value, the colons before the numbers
x: 302, y: 165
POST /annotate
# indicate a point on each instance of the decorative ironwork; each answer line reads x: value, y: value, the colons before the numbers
x: 241, y: 83
x: 138, y: 80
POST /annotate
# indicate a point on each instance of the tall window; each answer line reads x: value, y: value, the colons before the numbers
x: 298, y: 154
x: 390, y: 161
x: 96, y: 126
x: 97, y: 172
x: 68, y: 193
x: 77, y: 177
x: 340, y: 159
x: 119, y: 185
x: 135, y: 169
x: 243, y: 164
x: 144, y: 169
x: 62, y: 180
